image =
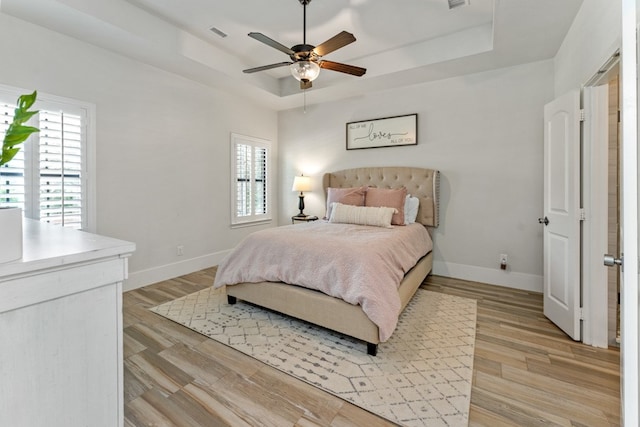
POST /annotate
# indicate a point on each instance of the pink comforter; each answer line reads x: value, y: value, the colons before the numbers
x: 360, y: 264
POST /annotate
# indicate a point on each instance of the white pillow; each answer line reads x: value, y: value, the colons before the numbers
x: 362, y: 215
x: 411, y: 205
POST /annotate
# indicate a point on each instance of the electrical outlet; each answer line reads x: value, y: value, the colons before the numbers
x: 180, y: 250
x: 503, y: 261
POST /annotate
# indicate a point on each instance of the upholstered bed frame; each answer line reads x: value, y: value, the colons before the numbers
x: 334, y: 313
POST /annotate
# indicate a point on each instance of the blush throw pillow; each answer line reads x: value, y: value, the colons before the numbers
x: 361, y: 215
x: 388, y: 197
x: 347, y: 196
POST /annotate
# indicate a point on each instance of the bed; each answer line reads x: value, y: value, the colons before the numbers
x: 329, y: 311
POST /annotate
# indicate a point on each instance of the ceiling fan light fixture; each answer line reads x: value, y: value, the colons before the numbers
x: 305, y: 71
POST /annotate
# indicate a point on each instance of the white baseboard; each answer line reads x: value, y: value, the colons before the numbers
x: 527, y: 282
x: 509, y: 279
x: 138, y: 279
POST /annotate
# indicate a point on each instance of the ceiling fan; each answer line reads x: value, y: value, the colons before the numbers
x: 306, y: 59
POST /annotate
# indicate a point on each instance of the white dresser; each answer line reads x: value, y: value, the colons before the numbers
x: 61, y: 330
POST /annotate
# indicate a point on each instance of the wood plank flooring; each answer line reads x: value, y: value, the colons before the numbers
x: 526, y: 371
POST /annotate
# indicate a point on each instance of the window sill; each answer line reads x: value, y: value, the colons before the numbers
x: 251, y: 223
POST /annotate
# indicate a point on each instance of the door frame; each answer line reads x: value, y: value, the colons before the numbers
x: 630, y: 388
x: 595, y: 176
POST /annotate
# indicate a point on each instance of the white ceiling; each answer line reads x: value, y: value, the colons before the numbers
x: 399, y: 42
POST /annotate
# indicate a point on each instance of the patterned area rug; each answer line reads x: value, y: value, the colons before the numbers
x: 421, y: 376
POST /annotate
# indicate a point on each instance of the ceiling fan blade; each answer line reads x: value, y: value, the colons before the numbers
x: 343, y: 68
x: 271, y: 42
x: 266, y: 67
x: 336, y: 42
x: 305, y: 84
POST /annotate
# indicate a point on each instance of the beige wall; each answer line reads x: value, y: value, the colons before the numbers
x: 593, y: 37
x: 162, y: 146
x: 482, y: 131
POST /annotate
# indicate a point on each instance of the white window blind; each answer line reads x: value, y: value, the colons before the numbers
x: 60, y: 167
x: 47, y: 177
x: 12, y: 193
x: 250, y: 179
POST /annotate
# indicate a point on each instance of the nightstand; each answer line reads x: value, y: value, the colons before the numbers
x: 303, y: 218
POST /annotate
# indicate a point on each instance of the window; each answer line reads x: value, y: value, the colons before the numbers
x: 48, y: 178
x: 250, y: 179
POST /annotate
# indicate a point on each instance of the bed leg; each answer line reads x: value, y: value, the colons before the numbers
x: 372, y: 349
x: 231, y: 300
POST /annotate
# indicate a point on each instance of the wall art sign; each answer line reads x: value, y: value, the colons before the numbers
x: 385, y: 132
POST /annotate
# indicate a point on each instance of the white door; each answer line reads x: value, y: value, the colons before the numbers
x: 629, y: 303
x: 561, y: 220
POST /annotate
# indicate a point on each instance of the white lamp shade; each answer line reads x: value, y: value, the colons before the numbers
x: 305, y: 70
x: 301, y: 183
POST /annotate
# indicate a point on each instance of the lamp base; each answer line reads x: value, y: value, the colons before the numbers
x: 301, y: 206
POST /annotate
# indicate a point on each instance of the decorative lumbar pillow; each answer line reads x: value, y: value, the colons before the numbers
x: 411, y: 205
x: 347, y: 196
x: 388, y: 197
x: 362, y: 215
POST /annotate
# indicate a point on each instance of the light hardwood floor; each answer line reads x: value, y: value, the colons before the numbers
x: 526, y: 371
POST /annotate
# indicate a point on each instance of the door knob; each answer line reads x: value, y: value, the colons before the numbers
x: 610, y: 260
x: 544, y: 221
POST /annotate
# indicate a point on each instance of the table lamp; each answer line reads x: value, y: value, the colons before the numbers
x: 301, y: 183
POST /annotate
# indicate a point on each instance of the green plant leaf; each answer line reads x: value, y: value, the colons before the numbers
x: 26, y: 101
x: 9, y: 154
x: 17, y: 132
x: 21, y: 116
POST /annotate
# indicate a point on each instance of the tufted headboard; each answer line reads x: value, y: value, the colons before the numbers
x: 421, y: 183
